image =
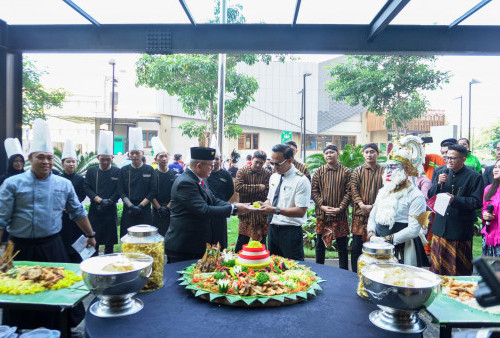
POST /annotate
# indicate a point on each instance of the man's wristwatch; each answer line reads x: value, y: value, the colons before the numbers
x: 90, y: 236
x: 235, y: 209
x: 277, y: 211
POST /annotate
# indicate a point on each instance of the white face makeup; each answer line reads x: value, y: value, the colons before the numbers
x: 394, y: 175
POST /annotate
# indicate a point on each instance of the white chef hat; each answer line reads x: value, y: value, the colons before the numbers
x: 41, y: 138
x: 68, y: 150
x: 135, y: 139
x: 105, y: 146
x: 13, y: 147
x: 214, y: 144
x: 158, y: 146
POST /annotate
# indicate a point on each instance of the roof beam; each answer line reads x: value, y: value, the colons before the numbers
x: 254, y: 38
x: 296, y: 14
x: 188, y: 12
x: 385, y: 16
x: 469, y: 13
x: 82, y: 12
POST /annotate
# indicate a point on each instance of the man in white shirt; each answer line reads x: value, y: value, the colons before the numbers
x: 286, y: 204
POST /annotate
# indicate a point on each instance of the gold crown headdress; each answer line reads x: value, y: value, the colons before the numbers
x: 409, y: 152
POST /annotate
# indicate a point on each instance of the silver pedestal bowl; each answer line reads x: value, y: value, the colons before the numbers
x: 115, y: 290
x: 399, y: 304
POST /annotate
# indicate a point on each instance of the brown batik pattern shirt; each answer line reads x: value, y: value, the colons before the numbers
x: 247, y: 185
x: 330, y: 187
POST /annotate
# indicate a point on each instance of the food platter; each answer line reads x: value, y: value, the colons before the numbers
x: 197, y: 283
x: 446, y: 309
x: 62, y: 297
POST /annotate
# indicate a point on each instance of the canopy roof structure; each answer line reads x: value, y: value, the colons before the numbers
x: 425, y: 27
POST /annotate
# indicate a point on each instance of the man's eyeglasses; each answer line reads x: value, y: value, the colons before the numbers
x: 450, y: 158
x: 277, y: 164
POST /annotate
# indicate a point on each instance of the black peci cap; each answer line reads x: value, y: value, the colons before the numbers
x: 202, y: 153
x: 448, y: 141
x: 331, y: 147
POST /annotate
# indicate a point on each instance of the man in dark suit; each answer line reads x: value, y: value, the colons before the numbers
x: 193, y: 206
x: 488, y: 171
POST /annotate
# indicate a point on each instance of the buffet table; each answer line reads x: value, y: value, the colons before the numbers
x: 174, y: 311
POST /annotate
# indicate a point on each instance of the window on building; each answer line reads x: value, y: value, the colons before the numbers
x: 147, y: 135
x: 248, y: 141
x: 319, y: 142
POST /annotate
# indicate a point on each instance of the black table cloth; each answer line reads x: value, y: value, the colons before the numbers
x: 173, y: 311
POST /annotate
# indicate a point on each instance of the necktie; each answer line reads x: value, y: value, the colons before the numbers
x: 202, y: 183
x: 275, y: 199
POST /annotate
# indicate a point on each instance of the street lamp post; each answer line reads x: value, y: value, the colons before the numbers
x: 301, y: 92
x: 470, y: 85
x: 304, y: 115
x: 456, y: 98
x: 113, y: 63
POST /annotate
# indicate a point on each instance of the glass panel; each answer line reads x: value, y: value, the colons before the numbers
x: 321, y: 142
x: 144, y: 11
x: 338, y: 12
x: 144, y: 139
x: 344, y: 142
x: 328, y: 140
x: 254, y: 11
x: 431, y: 12
x: 255, y: 141
x: 311, y: 142
x: 36, y: 12
x: 248, y: 141
x: 337, y: 141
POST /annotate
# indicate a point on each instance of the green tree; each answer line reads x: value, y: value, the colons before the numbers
x: 36, y: 98
x: 194, y: 79
x: 487, y: 135
x: 387, y: 85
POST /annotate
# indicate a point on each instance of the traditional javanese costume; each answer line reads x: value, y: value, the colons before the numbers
x: 399, y: 214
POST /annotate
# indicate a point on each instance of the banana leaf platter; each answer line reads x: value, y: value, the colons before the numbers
x: 448, y: 310
x: 247, y: 301
x: 65, y: 297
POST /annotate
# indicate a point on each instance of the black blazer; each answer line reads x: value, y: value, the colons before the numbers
x: 467, y: 187
x: 488, y: 175
x: 192, y: 208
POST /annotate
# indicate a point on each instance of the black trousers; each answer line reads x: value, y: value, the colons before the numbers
x: 242, y: 239
x: 341, y: 247
x: 174, y: 258
x: 219, y: 231
x: 356, y: 250
x: 286, y: 241
x: 162, y: 223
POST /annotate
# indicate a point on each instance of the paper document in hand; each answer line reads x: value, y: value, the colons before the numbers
x: 439, y: 203
x: 80, y: 246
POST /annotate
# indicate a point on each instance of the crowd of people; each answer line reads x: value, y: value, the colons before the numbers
x: 189, y: 203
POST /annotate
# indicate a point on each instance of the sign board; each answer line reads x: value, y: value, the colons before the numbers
x: 286, y: 136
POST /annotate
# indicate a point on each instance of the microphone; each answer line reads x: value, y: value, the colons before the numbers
x: 446, y: 171
x: 489, y: 208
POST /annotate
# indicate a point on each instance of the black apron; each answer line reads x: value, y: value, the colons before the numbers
x: 383, y: 231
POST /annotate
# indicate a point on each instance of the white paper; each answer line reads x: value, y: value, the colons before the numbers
x: 442, y: 202
x: 80, y: 247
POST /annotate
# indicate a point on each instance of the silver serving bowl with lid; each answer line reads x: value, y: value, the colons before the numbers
x: 399, y: 304
x: 115, y: 290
